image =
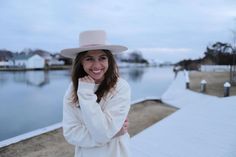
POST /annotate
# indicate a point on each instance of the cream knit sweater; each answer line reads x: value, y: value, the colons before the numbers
x: 92, y: 127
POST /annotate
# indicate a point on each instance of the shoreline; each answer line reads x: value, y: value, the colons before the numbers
x: 36, y: 69
x: 29, y: 135
x: 69, y: 67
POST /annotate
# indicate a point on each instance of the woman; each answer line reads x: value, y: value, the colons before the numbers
x: 97, y: 102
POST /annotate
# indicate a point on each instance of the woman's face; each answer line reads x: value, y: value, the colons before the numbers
x: 95, y: 64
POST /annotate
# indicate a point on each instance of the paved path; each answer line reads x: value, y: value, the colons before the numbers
x: 204, y: 126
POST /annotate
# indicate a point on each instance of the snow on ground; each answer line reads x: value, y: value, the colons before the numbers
x: 204, y: 126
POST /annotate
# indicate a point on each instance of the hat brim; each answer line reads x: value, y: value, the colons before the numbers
x: 72, y: 52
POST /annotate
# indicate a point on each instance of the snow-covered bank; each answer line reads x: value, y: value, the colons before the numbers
x: 29, y: 135
x: 204, y: 126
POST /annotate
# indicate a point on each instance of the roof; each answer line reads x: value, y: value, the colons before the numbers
x: 24, y: 57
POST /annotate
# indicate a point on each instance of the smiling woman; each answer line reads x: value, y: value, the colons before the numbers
x: 97, y: 102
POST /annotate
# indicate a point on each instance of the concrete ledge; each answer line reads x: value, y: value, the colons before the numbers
x: 29, y: 135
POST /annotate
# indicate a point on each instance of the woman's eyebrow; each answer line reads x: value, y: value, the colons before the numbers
x: 103, y: 55
x: 87, y: 56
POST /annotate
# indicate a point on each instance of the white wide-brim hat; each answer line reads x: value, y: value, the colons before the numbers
x: 92, y: 40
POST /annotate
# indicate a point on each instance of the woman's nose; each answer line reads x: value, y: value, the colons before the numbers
x: 96, y: 63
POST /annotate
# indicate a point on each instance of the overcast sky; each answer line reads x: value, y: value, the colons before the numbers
x: 165, y: 30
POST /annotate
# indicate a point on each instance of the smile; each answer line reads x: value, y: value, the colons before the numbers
x: 96, y: 71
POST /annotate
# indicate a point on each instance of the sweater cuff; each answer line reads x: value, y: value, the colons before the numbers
x: 85, y: 86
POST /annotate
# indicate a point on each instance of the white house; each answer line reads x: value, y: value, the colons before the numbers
x: 4, y: 63
x: 35, y: 61
x: 30, y: 61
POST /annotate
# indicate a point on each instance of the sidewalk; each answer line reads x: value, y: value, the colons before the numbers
x: 205, y: 126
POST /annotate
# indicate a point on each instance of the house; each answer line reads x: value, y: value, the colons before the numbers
x: 5, y: 63
x: 31, y: 61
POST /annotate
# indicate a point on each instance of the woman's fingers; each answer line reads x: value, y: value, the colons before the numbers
x: 126, y: 123
x: 87, y: 79
x: 124, y: 128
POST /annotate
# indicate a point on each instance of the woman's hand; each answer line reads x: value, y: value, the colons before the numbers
x: 124, y: 128
x: 87, y: 79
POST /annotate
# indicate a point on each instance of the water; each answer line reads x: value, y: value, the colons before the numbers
x: 32, y: 100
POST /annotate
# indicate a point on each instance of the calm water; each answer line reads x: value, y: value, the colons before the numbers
x: 32, y: 100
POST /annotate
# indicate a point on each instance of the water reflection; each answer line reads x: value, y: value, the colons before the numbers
x: 37, y: 103
x: 30, y: 78
x: 133, y: 74
x: 136, y: 74
x: 36, y: 78
x: 41, y: 78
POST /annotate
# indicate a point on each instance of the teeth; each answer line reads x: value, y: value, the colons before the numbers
x: 96, y: 71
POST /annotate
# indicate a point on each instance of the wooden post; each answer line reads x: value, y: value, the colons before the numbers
x: 187, y: 85
x: 186, y: 79
x: 227, y: 86
x: 203, y: 86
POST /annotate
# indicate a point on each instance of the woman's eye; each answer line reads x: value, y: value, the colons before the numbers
x: 103, y: 58
x: 88, y: 59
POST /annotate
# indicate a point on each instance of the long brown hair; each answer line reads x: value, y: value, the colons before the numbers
x: 110, y: 77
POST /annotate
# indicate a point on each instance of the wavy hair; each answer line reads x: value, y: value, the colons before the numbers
x: 110, y: 77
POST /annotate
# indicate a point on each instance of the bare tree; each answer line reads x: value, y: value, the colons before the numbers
x: 233, y: 67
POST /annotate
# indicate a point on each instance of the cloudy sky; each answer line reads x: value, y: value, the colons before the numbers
x: 165, y: 30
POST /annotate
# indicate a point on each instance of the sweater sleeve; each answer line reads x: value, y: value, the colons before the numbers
x: 103, y: 125
x: 74, y: 131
